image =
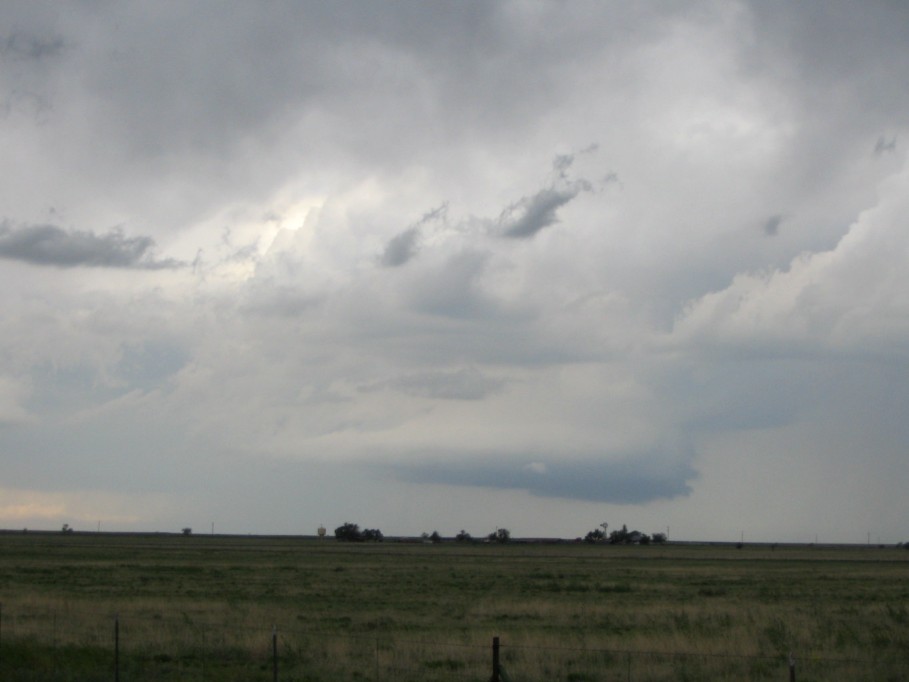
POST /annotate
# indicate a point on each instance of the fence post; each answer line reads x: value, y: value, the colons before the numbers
x: 791, y: 667
x: 496, y: 668
x: 274, y: 652
x: 117, y: 648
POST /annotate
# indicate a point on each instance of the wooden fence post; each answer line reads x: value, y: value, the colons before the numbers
x: 117, y: 648
x: 274, y: 652
x: 496, y: 668
x: 791, y: 667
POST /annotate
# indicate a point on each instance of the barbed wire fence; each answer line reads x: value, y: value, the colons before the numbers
x: 70, y: 644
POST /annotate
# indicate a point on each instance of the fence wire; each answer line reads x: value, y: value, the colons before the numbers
x: 85, y: 645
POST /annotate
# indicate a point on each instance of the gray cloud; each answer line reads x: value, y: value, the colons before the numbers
x: 293, y: 148
x: 404, y: 246
x: 453, y: 288
x: 562, y: 163
x: 53, y: 246
x: 642, y: 478
x: 147, y: 364
x: 401, y: 248
x: 19, y: 45
x: 884, y: 145
x: 527, y: 216
x: 772, y: 226
x: 462, y: 384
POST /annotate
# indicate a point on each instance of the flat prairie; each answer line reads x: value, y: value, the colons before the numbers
x: 86, y: 606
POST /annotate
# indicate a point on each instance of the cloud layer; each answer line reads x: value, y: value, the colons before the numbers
x: 446, y: 265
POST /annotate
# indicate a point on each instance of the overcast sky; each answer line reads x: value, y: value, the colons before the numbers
x: 456, y: 265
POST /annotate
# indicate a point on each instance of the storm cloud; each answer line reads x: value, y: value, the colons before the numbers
x: 636, y: 480
x: 455, y: 265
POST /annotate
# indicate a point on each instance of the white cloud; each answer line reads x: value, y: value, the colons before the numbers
x: 852, y: 298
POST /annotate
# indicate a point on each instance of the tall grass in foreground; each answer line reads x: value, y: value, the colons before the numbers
x: 205, y: 609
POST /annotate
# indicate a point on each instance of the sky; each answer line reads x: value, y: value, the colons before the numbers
x: 456, y: 265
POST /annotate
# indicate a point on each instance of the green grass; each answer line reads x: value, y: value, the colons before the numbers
x: 204, y: 607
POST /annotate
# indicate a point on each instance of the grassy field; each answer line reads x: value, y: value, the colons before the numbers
x: 217, y: 608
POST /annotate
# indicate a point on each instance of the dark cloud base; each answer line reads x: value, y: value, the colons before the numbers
x: 620, y: 482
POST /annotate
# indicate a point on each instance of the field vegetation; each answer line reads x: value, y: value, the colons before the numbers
x: 193, y: 607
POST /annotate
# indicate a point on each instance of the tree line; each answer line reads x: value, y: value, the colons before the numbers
x: 350, y: 532
x: 622, y: 536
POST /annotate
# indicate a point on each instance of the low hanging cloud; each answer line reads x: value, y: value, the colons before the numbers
x: 52, y: 246
x: 633, y: 480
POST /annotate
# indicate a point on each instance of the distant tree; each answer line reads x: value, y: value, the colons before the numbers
x: 463, y: 536
x: 66, y: 529
x: 658, y: 538
x: 619, y: 537
x: 372, y: 535
x: 624, y: 536
x: 595, y: 536
x: 348, y: 532
x: 501, y: 535
x: 187, y: 531
x: 435, y: 537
